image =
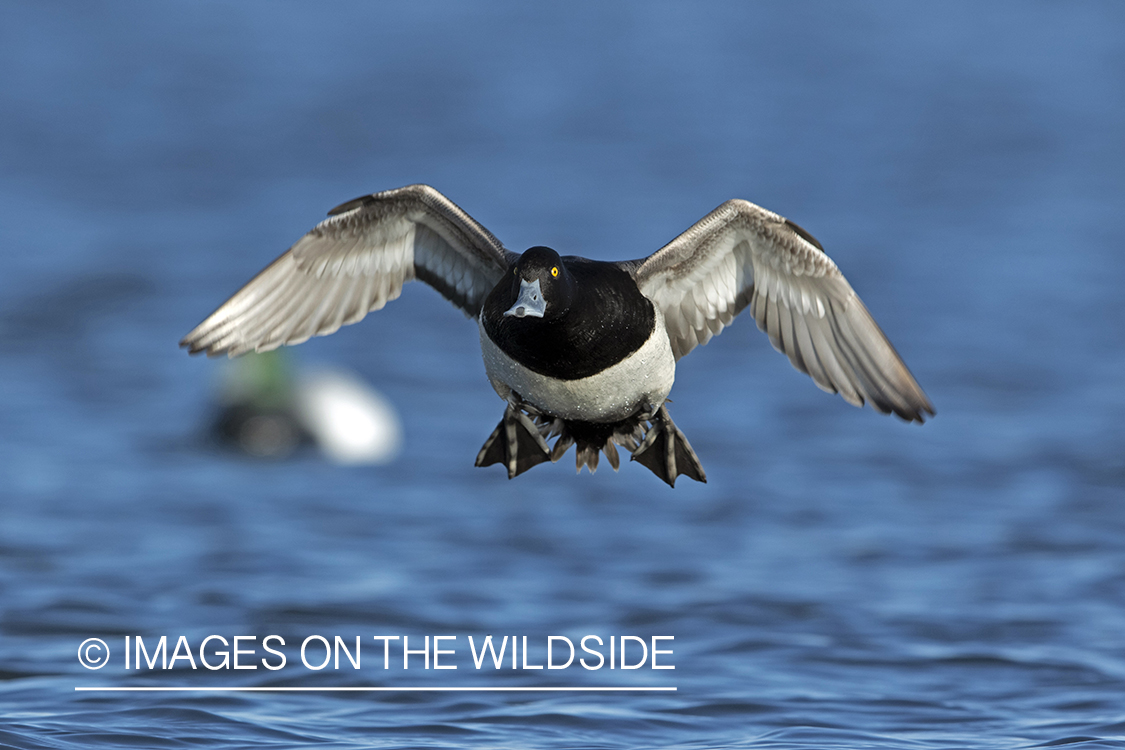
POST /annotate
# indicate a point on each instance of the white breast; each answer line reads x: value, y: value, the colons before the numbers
x: 644, y: 377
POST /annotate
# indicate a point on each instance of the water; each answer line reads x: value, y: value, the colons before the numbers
x: 843, y: 580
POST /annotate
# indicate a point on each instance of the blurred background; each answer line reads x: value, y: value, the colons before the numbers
x: 843, y: 580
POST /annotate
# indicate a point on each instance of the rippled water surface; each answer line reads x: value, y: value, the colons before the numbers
x: 843, y: 580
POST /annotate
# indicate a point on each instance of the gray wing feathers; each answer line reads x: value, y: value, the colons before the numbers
x: 354, y: 262
x: 742, y: 255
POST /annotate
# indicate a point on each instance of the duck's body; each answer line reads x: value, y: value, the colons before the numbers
x: 643, y: 376
x: 581, y: 349
x: 592, y: 367
x: 596, y: 360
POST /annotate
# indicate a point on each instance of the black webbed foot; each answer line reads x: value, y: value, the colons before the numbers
x: 666, y: 452
x: 516, y: 443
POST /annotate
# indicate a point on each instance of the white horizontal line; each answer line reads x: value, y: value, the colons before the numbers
x: 374, y: 689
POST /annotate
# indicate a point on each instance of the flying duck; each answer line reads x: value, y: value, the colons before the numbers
x: 583, y: 352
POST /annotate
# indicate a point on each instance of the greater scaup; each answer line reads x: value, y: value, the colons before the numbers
x: 581, y: 350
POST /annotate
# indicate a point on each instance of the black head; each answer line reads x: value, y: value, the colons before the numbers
x: 541, y: 286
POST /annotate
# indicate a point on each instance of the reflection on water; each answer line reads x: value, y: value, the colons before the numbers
x: 843, y: 580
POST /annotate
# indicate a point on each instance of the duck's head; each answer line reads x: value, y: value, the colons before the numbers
x: 542, y: 286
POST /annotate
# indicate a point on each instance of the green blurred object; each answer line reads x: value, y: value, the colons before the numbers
x: 264, y: 381
x: 256, y: 414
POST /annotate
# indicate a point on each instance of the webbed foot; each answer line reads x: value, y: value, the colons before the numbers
x: 516, y: 443
x: 666, y: 452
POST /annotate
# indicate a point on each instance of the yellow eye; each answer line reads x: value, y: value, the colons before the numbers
x: 554, y: 270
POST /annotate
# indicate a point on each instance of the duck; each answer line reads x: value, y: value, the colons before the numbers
x: 583, y: 352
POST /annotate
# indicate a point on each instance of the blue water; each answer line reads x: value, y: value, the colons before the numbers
x: 844, y: 580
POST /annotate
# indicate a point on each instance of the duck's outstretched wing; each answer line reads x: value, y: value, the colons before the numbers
x: 353, y: 262
x: 741, y: 254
